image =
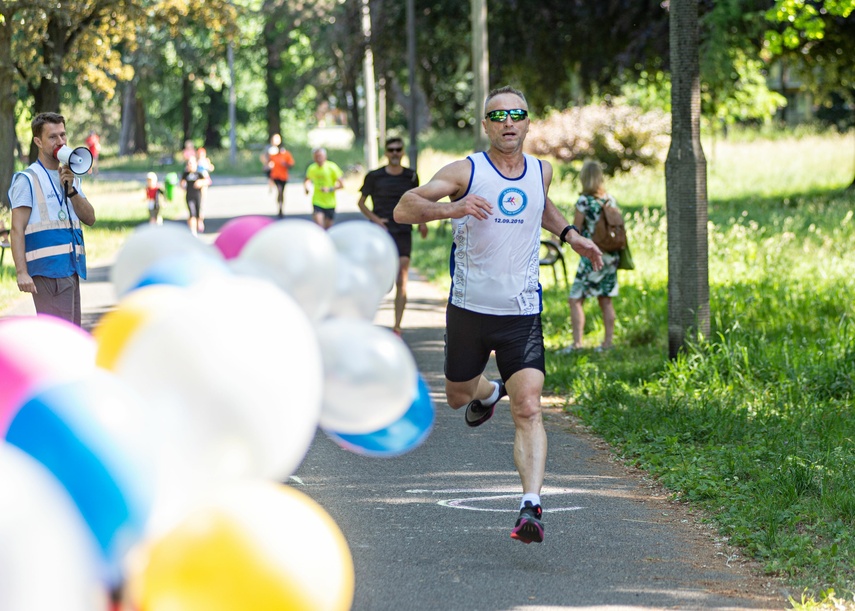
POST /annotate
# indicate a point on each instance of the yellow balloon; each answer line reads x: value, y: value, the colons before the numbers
x: 117, y: 327
x: 262, y: 546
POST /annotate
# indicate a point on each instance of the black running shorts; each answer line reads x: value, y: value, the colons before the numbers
x: 327, y: 212
x: 470, y: 337
x: 404, y: 242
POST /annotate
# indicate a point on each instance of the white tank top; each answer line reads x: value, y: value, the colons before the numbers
x: 495, y: 263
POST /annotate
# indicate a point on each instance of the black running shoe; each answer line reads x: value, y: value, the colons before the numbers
x: 477, y: 413
x: 529, y: 527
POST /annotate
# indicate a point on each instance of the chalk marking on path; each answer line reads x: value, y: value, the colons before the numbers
x: 465, y: 503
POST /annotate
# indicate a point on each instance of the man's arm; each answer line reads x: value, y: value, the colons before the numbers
x: 20, y: 217
x: 553, y: 221
x: 421, y: 204
x: 84, y: 210
x: 369, y: 214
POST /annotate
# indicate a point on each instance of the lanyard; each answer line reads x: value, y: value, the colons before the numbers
x: 60, y: 200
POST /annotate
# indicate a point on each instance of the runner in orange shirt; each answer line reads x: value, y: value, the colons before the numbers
x: 279, y: 165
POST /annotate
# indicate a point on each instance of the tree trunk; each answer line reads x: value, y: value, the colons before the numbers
x: 126, y: 137
x: 353, y: 110
x: 186, y: 110
x: 140, y: 136
x: 422, y: 116
x: 271, y: 86
x: 216, y: 114
x: 7, y: 111
x: 45, y: 99
x: 46, y: 96
x: 686, y: 187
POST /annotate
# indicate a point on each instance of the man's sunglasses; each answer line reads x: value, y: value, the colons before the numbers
x: 500, y: 116
x: 395, y: 149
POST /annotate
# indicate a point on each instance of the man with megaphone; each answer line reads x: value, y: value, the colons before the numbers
x: 48, y: 208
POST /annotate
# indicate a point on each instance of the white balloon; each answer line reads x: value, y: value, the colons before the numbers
x: 300, y: 258
x: 48, y: 558
x: 149, y: 244
x: 370, y: 376
x: 357, y: 294
x: 235, y: 373
x: 37, y: 352
x: 368, y: 245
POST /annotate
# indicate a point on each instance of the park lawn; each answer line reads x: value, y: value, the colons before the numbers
x: 754, y: 423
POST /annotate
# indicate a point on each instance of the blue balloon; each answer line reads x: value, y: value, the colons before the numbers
x: 109, y: 487
x: 398, y: 438
x: 180, y: 270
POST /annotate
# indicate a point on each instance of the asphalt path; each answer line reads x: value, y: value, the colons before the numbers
x: 431, y: 529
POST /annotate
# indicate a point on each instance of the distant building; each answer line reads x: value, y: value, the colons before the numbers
x: 800, y: 107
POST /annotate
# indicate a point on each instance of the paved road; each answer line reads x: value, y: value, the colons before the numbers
x: 430, y: 530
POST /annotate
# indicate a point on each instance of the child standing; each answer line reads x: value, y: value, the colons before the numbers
x: 153, y: 191
x: 601, y: 284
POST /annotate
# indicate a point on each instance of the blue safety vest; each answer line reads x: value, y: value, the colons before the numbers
x: 54, y: 247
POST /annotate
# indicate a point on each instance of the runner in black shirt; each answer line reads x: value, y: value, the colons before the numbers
x: 192, y: 181
x: 385, y: 186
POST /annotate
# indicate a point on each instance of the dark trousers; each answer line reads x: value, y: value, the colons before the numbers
x: 58, y: 297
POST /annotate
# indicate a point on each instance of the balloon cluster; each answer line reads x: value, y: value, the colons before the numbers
x: 148, y: 454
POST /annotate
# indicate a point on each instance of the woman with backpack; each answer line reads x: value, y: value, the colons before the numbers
x: 603, y: 283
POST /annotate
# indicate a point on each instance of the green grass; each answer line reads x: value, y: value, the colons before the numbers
x: 755, y: 422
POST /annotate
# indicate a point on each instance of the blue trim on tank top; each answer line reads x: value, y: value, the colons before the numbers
x: 520, y: 177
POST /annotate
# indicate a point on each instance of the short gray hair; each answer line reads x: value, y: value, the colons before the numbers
x: 500, y: 91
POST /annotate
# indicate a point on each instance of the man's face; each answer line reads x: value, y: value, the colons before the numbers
x: 507, y: 134
x: 394, y: 152
x: 53, y: 136
x: 320, y: 157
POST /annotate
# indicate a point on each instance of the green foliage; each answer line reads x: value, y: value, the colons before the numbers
x: 816, y: 41
x: 804, y: 21
x: 733, y: 78
x: 620, y: 136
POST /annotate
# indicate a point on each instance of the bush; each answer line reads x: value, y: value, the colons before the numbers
x: 621, y: 137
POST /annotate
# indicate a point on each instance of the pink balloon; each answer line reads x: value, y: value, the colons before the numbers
x: 237, y: 232
x: 36, y: 351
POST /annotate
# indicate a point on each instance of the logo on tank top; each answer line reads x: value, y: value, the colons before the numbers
x: 512, y: 201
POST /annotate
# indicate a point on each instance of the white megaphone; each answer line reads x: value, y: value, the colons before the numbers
x: 78, y: 160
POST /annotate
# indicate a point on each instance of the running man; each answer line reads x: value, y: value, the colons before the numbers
x: 385, y: 186
x: 498, y: 204
x: 325, y: 176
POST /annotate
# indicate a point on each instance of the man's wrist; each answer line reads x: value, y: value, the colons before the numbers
x: 566, y: 230
x: 73, y: 192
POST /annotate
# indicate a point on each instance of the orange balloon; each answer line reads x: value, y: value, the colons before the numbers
x: 261, y: 546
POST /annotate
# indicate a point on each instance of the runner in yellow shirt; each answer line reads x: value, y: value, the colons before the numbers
x: 325, y: 176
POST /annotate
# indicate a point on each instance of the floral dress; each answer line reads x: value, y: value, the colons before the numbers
x: 590, y: 283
